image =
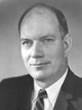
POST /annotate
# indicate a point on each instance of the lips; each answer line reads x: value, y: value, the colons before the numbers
x: 39, y: 64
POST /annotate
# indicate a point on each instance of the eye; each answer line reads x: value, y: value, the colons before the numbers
x: 27, y: 43
x: 48, y: 40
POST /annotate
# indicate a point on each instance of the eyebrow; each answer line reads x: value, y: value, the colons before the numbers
x: 43, y: 37
x: 24, y: 39
x: 46, y: 36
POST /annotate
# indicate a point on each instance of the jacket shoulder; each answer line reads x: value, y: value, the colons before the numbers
x: 16, y: 82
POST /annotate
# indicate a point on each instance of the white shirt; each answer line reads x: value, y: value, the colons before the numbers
x: 52, y: 91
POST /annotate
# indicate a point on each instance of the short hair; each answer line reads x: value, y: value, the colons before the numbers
x: 60, y: 16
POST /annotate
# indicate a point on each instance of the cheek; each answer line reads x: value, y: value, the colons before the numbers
x: 24, y: 54
x: 55, y: 52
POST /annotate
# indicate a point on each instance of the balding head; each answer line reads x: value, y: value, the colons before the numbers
x: 49, y: 11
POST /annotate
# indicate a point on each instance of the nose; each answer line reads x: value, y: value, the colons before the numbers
x: 37, y: 50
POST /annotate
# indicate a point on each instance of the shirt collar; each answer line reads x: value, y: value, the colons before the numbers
x: 52, y: 90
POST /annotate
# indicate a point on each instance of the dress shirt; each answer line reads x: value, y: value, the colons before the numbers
x: 52, y: 92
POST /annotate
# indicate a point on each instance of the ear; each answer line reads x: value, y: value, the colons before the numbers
x: 67, y: 44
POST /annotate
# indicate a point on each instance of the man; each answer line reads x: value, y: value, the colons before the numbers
x: 45, y: 45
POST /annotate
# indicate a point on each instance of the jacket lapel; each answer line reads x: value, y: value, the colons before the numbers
x: 26, y: 95
x: 62, y: 101
x: 66, y: 94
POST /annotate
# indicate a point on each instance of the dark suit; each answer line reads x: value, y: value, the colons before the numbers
x: 16, y: 93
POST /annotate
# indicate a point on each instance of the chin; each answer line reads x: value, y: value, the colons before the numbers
x: 38, y: 75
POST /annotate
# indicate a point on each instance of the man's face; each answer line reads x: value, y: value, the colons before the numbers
x: 42, y: 47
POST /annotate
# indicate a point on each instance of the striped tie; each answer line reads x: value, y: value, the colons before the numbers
x: 39, y: 103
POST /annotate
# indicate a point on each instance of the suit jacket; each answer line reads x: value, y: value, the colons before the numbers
x: 16, y: 93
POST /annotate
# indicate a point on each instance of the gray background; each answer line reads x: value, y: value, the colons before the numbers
x: 11, y: 63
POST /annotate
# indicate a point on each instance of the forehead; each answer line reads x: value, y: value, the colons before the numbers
x: 39, y: 22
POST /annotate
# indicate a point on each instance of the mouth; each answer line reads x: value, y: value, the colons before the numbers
x: 39, y: 64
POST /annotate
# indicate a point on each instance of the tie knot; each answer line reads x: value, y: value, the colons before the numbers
x: 42, y: 94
